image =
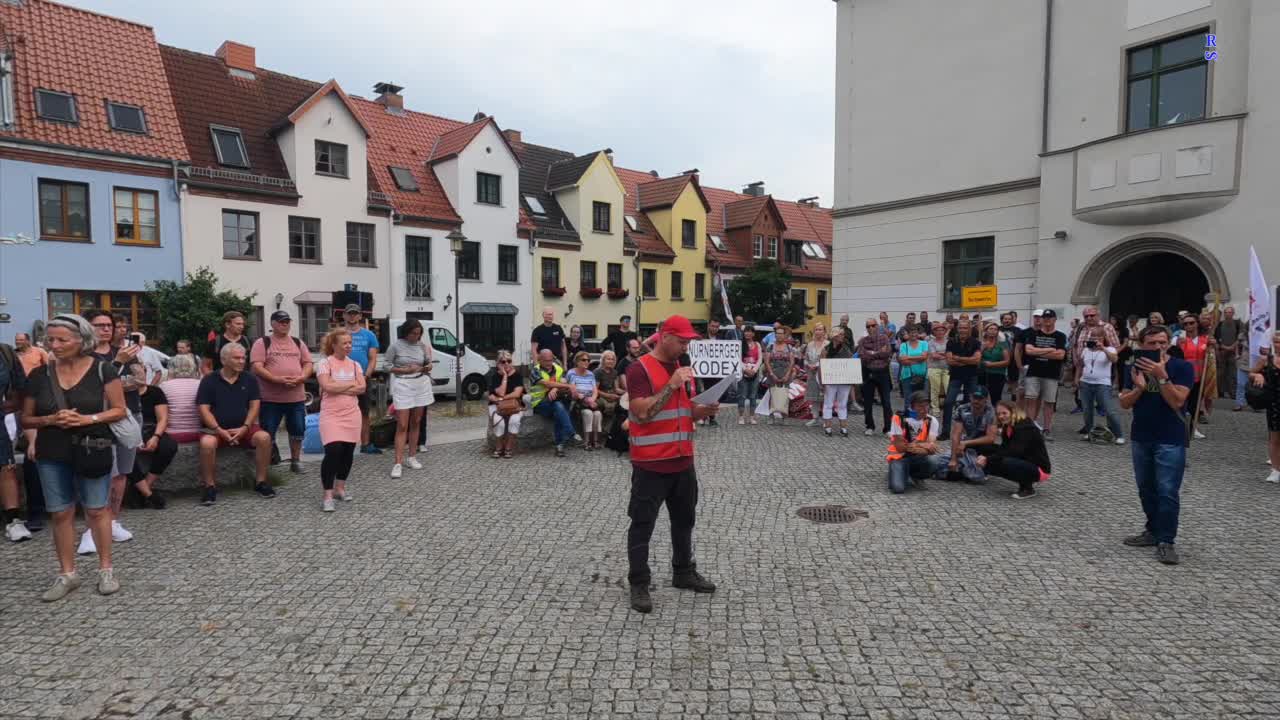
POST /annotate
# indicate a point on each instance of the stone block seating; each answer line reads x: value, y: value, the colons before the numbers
x: 234, y: 468
x: 535, y: 432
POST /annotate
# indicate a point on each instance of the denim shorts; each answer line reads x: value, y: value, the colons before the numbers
x: 294, y: 415
x: 62, y: 487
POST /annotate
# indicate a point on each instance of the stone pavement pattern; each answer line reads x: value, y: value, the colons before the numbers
x: 482, y: 588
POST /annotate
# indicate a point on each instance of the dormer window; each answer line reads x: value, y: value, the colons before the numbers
x: 631, y: 222
x: 7, y: 111
x: 403, y: 178
x: 717, y: 242
x: 57, y: 106
x: 331, y: 158
x: 126, y: 118
x: 535, y: 206
x: 229, y: 145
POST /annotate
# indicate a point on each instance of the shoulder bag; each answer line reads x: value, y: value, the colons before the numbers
x: 127, y: 430
x: 91, y: 455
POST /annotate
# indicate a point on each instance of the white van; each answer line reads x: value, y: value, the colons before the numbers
x: 444, y: 349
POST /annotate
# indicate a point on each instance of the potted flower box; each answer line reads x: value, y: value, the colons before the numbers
x: 550, y: 291
x: 618, y: 293
x: 593, y: 292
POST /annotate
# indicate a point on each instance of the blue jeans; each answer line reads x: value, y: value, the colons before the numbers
x: 1242, y: 381
x: 917, y: 467
x: 748, y: 392
x: 968, y: 385
x: 1102, y: 396
x: 63, y: 487
x: 1158, y: 470
x: 559, y: 417
x: 294, y: 415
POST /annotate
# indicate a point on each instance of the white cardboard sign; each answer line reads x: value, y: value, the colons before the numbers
x: 715, y: 358
x: 841, y: 372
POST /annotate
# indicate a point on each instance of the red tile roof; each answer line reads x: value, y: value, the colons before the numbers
x: 645, y: 238
x: 743, y: 212
x: 664, y: 192
x: 457, y: 140
x: 330, y: 87
x: 404, y: 138
x: 803, y: 223
x: 96, y: 58
x: 205, y: 93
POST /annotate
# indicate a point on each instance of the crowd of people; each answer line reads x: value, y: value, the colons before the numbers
x: 100, y: 416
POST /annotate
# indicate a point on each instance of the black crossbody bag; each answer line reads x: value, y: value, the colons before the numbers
x: 91, y: 454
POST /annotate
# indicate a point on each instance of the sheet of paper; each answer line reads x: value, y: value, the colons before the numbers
x: 711, y: 395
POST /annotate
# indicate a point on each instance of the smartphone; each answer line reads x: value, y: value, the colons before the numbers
x: 1152, y: 355
x: 135, y: 338
x: 1091, y: 344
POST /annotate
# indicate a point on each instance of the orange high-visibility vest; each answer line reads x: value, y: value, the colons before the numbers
x: 924, y: 435
x: 669, y: 433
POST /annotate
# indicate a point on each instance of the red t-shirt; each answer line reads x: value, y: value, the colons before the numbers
x: 638, y: 386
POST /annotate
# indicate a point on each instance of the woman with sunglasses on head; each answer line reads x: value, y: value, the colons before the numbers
x: 1195, y: 348
x: 71, y: 403
x: 506, y: 383
x: 586, y: 395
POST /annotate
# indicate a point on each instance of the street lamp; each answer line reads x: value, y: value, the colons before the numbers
x: 456, y: 238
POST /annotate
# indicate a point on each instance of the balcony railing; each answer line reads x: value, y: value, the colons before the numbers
x: 417, y: 286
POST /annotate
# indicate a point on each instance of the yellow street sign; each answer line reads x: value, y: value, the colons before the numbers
x: 978, y: 296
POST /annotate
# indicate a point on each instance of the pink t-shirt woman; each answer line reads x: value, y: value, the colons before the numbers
x: 339, y: 413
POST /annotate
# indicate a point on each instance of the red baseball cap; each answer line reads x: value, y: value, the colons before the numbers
x: 679, y: 326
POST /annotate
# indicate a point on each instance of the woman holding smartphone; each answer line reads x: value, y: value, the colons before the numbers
x: 410, y: 361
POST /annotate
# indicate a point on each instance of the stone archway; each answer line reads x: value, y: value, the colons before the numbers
x: 1094, y: 284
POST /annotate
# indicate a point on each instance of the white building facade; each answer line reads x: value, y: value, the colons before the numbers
x: 1118, y: 153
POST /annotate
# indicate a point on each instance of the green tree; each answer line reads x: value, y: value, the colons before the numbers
x: 188, y: 311
x: 763, y: 295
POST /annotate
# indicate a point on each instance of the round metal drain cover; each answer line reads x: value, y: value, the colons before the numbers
x: 830, y: 514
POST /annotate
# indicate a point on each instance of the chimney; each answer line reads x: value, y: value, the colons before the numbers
x: 237, y: 57
x: 755, y: 189
x: 513, y: 136
x: 809, y: 201
x: 608, y: 154
x: 693, y: 171
x: 654, y: 173
x: 389, y: 95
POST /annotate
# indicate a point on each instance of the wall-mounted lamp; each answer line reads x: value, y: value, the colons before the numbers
x: 279, y: 299
x: 448, y: 300
x: 569, y: 312
x: 1060, y: 235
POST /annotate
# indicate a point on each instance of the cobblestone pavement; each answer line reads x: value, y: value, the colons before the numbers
x: 484, y: 588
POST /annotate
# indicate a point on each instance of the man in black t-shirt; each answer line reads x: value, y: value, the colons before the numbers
x: 1045, y: 350
x: 618, y: 339
x: 549, y: 336
x: 964, y: 352
x: 229, y: 401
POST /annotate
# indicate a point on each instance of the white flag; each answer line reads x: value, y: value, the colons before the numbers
x: 724, y: 297
x: 1260, y: 321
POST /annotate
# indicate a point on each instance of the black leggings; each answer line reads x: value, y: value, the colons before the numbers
x: 336, y: 463
x: 1023, y: 472
x: 159, y: 460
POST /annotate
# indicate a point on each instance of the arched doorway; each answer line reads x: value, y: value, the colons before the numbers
x: 1162, y: 282
x: 1151, y: 271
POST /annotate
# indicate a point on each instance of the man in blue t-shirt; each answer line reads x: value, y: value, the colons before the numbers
x: 1158, y: 438
x: 364, y: 350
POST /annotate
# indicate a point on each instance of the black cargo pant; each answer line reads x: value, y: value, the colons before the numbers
x: 649, y: 490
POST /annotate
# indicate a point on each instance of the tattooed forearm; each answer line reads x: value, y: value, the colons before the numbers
x: 658, y: 401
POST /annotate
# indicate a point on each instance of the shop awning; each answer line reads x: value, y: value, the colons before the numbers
x: 314, y: 297
x: 481, y: 308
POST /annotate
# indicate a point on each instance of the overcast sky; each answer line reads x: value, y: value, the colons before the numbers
x: 741, y: 89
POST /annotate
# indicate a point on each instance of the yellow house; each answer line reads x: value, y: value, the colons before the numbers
x: 576, y: 205
x: 668, y: 232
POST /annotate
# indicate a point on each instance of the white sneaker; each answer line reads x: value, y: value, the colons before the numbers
x: 118, y: 533
x: 422, y: 447
x: 17, y: 531
x: 869, y: 432
x: 87, y: 547
x: 328, y: 506
x: 742, y: 421
x: 1198, y: 435
x: 1274, y: 477
x: 397, y: 470
x: 413, y: 463
x: 1119, y: 441
x: 812, y: 423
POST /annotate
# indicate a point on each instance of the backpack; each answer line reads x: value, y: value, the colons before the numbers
x: 266, y: 343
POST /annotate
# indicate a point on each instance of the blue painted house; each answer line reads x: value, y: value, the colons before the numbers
x: 89, y: 152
